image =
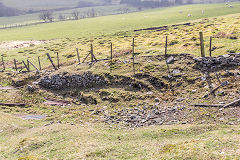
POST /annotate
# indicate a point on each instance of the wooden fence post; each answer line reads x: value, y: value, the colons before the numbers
x: 33, y: 65
x: 39, y: 63
x: 26, y: 66
x: 166, y: 45
x: 111, y: 52
x: 50, y: 59
x: 15, y: 64
x: 111, y: 56
x: 210, y: 47
x: 91, y: 52
x: 58, y: 60
x: 202, y: 44
x: 133, y: 56
x: 78, y: 56
x: 3, y: 64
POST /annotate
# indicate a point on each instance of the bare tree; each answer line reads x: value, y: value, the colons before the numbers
x: 75, y: 15
x: 46, y: 16
x: 91, y: 13
x: 61, y: 17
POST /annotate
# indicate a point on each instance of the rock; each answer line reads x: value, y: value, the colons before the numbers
x: 220, y: 93
x: 158, y: 120
x: 18, y: 83
x: 194, y: 91
x: 221, y: 109
x: 176, y: 71
x: 149, y: 93
x: 170, y: 60
x: 157, y: 100
x: 180, y: 99
x: 228, y: 74
x: 221, y: 119
x: 31, y: 88
x: 184, y: 122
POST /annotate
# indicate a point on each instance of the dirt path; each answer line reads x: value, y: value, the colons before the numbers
x: 20, y: 44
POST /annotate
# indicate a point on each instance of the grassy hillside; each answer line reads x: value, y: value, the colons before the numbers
x: 34, y: 140
x: 111, y: 24
x: 102, y: 122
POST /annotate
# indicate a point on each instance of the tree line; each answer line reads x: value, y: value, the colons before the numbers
x: 48, y: 16
x: 165, y: 3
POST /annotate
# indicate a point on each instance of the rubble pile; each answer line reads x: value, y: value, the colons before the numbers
x: 144, y: 117
x: 60, y: 82
x: 216, y: 63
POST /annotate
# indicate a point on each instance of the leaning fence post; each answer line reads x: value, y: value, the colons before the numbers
x: 166, y: 45
x: 39, y: 63
x: 33, y: 65
x: 26, y: 66
x: 202, y: 44
x: 133, y: 47
x: 78, y: 55
x: 50, y: 59
x: 15, y: 64
x: 210, y: 47
x: 58, y: 60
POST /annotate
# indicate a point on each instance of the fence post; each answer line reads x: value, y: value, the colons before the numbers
x: 202, y: 44
x: 39, y: 63
x: 50, y: 59
x: 15, y: 64
x: 33, y: 65
x: 210, y: 47
x: 133, y: 48
x: 58, y: 60
x: 111, y: 56
x: 91, y: 52
x: 3, y: 64
x: 26, y: 66
x: 78, y: 55
x: 166, y: 45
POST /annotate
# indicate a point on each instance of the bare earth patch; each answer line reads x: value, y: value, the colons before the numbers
x: 21, y: 44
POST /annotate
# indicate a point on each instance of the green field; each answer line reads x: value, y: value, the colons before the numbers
x: 106, y: 25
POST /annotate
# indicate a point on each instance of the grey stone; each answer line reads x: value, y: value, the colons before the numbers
x: 170, y: 60
x: 157, y: 100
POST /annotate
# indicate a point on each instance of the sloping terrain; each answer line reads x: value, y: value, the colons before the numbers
x: 101, y: 118
x: 177, y: 106
x: 34, y: 139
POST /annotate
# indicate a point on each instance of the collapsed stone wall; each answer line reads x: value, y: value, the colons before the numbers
x: 216, y: 63
x: 90, y: 80
x: 61, y: 82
